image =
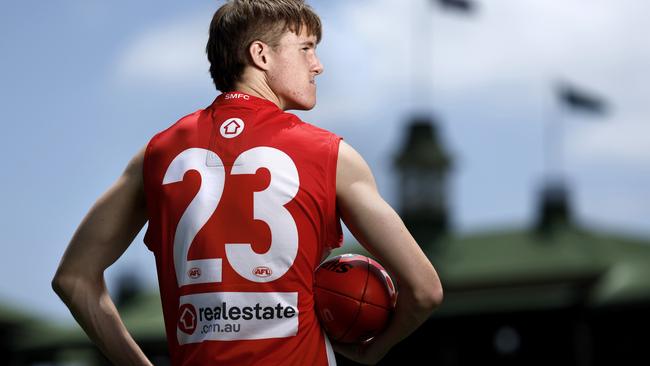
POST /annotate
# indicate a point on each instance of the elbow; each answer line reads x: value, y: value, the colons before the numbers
x: 60, y: 285
x: 65, y: 285
x: 438, y: 296
x: 429, y: 297
x: 73, y: 281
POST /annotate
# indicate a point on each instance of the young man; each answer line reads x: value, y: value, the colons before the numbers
x: 243, y: 203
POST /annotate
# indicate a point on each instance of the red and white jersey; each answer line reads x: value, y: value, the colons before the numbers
x: 242, y: 205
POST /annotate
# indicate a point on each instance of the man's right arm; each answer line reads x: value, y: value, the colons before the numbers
x: 381, y: 231
x: 103, y: 235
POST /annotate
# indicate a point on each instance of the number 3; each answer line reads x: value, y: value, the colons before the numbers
x: 268, y: 206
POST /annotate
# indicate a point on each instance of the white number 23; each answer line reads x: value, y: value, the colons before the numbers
x: 268, y: 206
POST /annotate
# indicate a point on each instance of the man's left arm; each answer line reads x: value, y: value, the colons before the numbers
x: 104, y: 234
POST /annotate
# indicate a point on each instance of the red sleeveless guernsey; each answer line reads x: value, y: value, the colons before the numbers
x: 242, y: 205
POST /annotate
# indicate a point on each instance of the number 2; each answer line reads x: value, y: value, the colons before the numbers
x: 268, y: 206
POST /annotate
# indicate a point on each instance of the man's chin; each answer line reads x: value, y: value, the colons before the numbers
x: 305, y: 106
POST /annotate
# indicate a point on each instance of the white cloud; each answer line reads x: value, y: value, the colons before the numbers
x: 170, y: 55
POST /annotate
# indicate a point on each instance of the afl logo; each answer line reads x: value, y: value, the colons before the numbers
x: 262, y: 271
x: 231, y: 127
x: 187, y: 319
x: 194, y: 273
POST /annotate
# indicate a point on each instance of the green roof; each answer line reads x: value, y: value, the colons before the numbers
x: 516, y: 270
x: 517, y: 257
x: 142, y: 316
x: 11, y: 315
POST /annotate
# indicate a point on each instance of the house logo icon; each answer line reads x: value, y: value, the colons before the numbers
x: 231, y: 127
x: 187, y: 319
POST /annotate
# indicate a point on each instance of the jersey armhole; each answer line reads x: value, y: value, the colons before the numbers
x: 334, y: 232
x: 148, y: 239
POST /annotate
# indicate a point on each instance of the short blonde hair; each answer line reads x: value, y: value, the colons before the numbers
x: 238, y: 23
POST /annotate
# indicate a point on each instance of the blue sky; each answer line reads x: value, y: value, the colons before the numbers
x: 86, y: 83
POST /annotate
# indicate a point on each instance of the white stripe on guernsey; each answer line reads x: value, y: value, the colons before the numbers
x: 331, y: 359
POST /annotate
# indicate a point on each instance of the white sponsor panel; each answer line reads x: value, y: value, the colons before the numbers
x: 229, y: 316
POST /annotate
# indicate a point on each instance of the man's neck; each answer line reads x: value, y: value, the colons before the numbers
x: 259, y: 89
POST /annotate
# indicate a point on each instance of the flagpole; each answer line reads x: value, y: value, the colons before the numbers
x: 421, y: 57
x: 554, y: 143
x: 567, y: 98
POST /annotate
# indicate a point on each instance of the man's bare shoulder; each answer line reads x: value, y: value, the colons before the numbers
x: 351, y: 168
x: 133, y: 174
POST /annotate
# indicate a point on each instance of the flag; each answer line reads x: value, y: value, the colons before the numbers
x: 465, y: 6
x: 580, y: 100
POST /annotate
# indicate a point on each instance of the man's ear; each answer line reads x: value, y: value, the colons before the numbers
x: 259, y: 53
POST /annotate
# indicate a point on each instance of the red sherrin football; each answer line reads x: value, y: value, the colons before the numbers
x: 354, y: 296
